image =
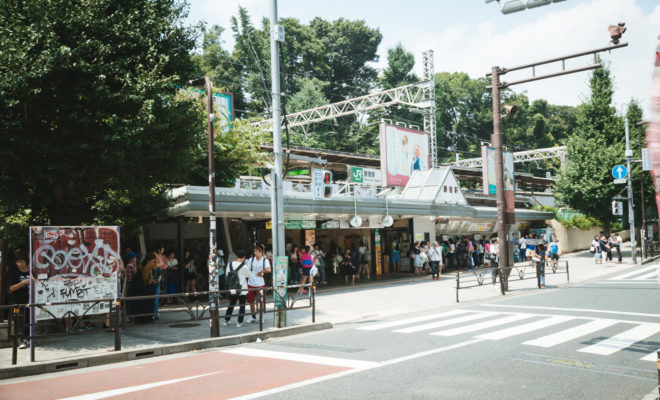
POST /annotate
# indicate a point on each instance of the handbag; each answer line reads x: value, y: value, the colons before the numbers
x: 367, y: 257
x: 314, y: 271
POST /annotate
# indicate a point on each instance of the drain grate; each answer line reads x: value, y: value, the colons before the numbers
x: 588, y: 366
x: 340, y: 349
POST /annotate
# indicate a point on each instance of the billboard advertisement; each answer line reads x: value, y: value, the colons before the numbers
x: 509, y: 188
x: 70, y: 263
x: 653, y: 128
x: 402, y: 151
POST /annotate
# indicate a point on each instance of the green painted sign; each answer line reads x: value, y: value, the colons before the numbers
x: 357, y: 173
x: 297, y: 172
x: 299, y: 224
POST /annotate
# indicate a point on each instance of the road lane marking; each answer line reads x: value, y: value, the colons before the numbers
x: 308, y: 358
x: 622, y: 340
x: 130, y: 389
x: 647, y: 276
x: 483, y: 325
x: 411, y: 320
x: 353, y: 371
x: 439, y: 324
x: 525, y: 328
x: 651, y: 357
x: 574, y: 309
x: 632, y: 273
x: 571, y: 333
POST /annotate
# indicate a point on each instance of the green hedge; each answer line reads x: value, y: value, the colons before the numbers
x: 576, y: 221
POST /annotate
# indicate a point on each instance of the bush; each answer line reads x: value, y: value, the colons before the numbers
x: 575, y: 221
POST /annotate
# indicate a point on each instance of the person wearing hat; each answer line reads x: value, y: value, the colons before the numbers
x: 435, y: 254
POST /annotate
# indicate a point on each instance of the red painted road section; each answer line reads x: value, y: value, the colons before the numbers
x: 236, y: 375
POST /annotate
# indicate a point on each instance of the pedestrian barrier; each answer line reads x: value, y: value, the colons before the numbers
x: 117, y: 315
x: 526, y: 270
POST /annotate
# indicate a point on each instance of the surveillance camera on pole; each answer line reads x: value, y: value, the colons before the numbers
x: 616, y: 31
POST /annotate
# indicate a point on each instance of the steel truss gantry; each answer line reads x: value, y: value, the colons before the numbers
x: 420, y: 96
x: 520, y: 157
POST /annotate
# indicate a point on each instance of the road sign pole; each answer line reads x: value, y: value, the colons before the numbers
x: 631, y: 208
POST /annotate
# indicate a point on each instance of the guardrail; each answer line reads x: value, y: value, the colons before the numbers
x: 525, y: 271
x: 118, y: 312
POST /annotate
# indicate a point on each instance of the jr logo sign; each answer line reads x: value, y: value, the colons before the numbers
x: 358, y: 174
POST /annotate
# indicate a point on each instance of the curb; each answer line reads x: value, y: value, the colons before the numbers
x: 147, y: 352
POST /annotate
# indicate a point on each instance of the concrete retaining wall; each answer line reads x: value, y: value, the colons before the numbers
x: 575, y: 239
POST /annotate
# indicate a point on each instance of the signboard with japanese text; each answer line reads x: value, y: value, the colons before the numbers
x: 280, y: 275
x: 365, y: 176
x: 72, y: 263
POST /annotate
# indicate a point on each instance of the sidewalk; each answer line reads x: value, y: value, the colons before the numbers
x: 335, y: 304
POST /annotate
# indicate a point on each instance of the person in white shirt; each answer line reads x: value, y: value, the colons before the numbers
x: 244, y: 274
x: 617, y: 244
x: 495, y: 250
x: 258, y: 265
x: 435, y: 254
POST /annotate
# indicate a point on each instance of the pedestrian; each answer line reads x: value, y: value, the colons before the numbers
x: 237, y: 268
x: 416, y: 255
x: 396, y: 256
x: 617, y: 244
x: 435, y: 254
x: 608, y: 247
x: 306, y: 262
x: 173, y: 276
x: 189, y: 272
x: 495, y: 260
x: 293, y: 264
x: 347, y: 267
x: 451, y: 262
x: 148, y: 273
x: 470, y: 253
x: 259, y: 266
x: 319, y: 262
x: 522, y: 245
x: 355, y: 260
x: 539, y: 258
x: 604, y: 248
x: 595, y: 250
x: 364, y: 263
x: 555, y: 251
x: 19, y: 289
x: 131, y: 272
x: 531, y: 247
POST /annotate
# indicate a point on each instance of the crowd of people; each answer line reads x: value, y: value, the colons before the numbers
x: 602, y: 246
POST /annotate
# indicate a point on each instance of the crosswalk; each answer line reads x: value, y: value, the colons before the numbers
x: 499, y: 325
x: 647, y: 274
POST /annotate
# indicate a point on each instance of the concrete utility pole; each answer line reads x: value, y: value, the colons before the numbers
x: 276, y: 202
x: 643, y: 232
x: 496, y: 138
x: 631, y: 208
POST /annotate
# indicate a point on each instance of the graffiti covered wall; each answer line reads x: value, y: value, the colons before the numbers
x: 73, y: 263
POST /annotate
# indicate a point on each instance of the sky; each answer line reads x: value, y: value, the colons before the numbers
x: 472, y: 36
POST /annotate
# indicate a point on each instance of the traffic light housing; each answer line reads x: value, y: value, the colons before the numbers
x: 617, y: 208
x: 327, y: 184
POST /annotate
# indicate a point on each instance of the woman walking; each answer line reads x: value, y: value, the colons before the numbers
x: 595, y: 249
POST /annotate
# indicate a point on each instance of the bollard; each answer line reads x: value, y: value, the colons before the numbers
x: 117, y: 324
x: 457, y: 284
x: 567, y: 275
x: 14, y: 345
x: 538, y: 274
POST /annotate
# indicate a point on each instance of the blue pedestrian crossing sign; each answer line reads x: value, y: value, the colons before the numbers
x: 619, y: 172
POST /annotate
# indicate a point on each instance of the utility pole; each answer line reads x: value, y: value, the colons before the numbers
x: 631, y: 208
x: 276, y: 202
x: 496, y: 138
x: 643, y: 234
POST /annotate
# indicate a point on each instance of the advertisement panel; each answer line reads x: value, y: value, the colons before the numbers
x: 490, y: 170
x: 509, y: 188
x: 402, y: 151
x: 70, y: 263
x: 222, y: 102
x: 653, y: 128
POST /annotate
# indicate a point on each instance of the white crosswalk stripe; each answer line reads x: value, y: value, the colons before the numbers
x: 483, y: 325
x: 648, y: 272
x: 445, y: 322
x: 472, y: 321
x: 622, y: 340
x: 571, y: 333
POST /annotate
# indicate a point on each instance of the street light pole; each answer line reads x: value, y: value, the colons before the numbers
x: 631, y: 208
x: 276, y: 202
x: 643, y: 233
x: 215, y: 328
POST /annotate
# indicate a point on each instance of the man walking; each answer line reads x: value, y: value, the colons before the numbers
x: 238, y: 269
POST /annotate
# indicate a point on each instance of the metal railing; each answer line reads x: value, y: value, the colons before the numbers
x: 117, y: 312
x: 524, y: 271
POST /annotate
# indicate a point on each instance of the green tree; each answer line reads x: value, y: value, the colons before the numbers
x: 594, y: 148
x: 399, y: 66
x: 88, y: 108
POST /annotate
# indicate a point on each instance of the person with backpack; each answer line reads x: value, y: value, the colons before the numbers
x: 237, y: 282
x: 259, y: 266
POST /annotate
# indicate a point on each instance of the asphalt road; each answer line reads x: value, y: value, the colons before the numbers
x: 590, y: 341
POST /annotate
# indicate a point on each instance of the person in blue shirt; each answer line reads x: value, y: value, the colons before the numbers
x: 554, y: 249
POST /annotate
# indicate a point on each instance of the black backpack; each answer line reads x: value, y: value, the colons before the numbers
x: 232, y: 278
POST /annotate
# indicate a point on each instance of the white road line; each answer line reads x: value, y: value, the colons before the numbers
x: 445, y: 322
x: 411, y: 320
x: 352, y: 371
x: 651, y: 357
x: 574, y: 309
x: 520, y: 329
x: 571, y: 333
x: 633, y: 273
x: 130, y: 389
x: 307, y: 358
x: 622, y: 340
x: 653, y: 274
x: 630, y: 282
x: 483, y: 325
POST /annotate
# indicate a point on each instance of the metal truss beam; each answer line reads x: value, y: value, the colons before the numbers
x: 429, y: 113
x: 413, y: 95
x: 520, y: 157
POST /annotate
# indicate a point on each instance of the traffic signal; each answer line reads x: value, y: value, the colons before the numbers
x: 617, y: 208
x: 327, y: 184
x: 616, y: 31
